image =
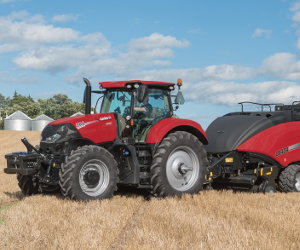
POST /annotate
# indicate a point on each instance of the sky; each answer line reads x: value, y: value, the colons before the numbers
x: 225, y: 51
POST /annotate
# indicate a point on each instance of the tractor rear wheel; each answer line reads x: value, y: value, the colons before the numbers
x: 179, y: 165
x: 27, y: 185
x: 89, y: 173
x: 289, y: 179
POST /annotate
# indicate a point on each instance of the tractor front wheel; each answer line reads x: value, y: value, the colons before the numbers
x: 89, y: 173
x: 27, y: 185
x: 289, y: 179
x: 179, y: 165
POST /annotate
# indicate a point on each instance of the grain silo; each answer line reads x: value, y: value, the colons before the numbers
x: 77, y: 114
x: 40, y: 122
x: 17, y: 121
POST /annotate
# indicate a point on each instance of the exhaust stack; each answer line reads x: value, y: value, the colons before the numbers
x: 87, y: 96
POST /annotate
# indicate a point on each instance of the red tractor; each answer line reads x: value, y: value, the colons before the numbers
x: 134, y: 140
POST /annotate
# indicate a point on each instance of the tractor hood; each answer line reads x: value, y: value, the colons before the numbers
x: 97, y: 128
x: 228, y: 132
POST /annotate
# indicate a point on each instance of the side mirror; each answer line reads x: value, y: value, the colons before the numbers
x: 179, y: 99
x: 142, y: 92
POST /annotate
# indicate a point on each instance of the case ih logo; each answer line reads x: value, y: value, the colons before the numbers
x: 288, y: 149
x: 82, y: 124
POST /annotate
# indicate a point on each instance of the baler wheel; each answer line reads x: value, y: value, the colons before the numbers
x: 179, y: 165
x: 27, y: 185
x: 289, y: 179
x: 89, y: 173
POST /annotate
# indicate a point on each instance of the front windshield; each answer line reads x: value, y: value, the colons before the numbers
x: 116, y: 102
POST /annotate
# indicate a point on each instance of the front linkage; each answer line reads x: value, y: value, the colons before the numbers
x: 36, y: 172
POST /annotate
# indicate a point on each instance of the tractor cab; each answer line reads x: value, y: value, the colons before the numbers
x: 137, y: 105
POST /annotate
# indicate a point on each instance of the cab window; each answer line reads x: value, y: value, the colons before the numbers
x: 116, y: 102
x: 156, y: 104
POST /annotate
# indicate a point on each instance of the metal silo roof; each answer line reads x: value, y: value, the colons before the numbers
x: 77, y: 114
x: 43, y: 118
x: 18, y: 115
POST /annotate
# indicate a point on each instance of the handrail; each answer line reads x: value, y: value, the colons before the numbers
x: 260, y: 104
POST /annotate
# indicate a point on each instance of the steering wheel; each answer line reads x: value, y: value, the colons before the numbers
x: 117, y: 110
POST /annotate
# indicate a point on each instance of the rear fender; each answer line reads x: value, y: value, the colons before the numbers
x: 280, y: 142
x: 166, y: 126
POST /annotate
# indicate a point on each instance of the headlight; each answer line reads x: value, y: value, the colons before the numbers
x: 53, y: 138
x: 58, y: 133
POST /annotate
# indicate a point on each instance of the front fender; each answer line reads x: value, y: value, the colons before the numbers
x: 168, y: 125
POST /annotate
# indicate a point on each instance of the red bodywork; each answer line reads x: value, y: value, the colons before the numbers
x: 280, y: 142
x: 122, y: 84
x: 163, y: 127
x: 97, y: 128
x: 101, y: 128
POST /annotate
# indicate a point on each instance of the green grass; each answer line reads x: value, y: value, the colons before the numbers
x: 3, y: 208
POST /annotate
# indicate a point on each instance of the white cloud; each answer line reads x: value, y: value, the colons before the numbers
x: 94, y: 55
x: 61, y: 58
x: 25, y: 16
x: 282, y: 65
x: 213, y: 72
x: 157, y: 40
x: 262, y: 32
x: 64, y: 18
x: 295, y: 6
x: 296, y: 16
x: 20, y: 32
x: 296, y: 9
x: 53, y: 49
x: 230, y: 93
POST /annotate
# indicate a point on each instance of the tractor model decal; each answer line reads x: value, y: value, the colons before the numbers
x: 105, y: 118
x: 288, y: 149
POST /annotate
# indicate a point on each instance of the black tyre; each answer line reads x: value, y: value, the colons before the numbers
x: 49, y: 189
x: 289, y: 179
x: 179, y: 165
x: 89, y: 173
x: 27, y: 185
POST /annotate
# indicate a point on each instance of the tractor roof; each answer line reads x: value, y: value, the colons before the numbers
x: 122, y: 84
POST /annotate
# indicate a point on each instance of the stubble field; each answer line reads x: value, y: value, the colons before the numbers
x: 208, y: 220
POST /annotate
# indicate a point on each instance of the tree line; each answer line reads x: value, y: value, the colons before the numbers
x: 55, y: 107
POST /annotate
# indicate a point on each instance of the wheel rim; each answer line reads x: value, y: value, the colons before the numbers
x: 182, y: 168
x: 297, y: 182
x: 94, y: 177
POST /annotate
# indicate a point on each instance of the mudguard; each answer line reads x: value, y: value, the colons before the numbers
x: 97, y: 128
x: 280, y: 142
x: 163, y: 127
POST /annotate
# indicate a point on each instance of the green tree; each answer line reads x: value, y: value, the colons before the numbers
x: 59, y: 106
x: 56, y: 107
x: 24, y: 104
x: 4, y: 104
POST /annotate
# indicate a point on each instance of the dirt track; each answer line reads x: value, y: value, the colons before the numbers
x: 209, y: 220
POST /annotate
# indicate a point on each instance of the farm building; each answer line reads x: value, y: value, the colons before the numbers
x: 40, y: 122
x: 17, y: 121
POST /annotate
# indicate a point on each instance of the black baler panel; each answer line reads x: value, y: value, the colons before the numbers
x: 226, y: 133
